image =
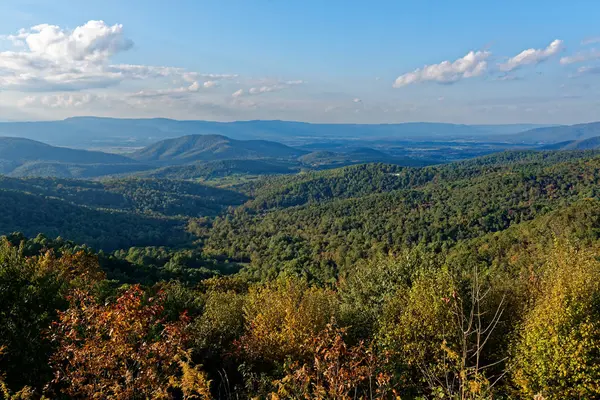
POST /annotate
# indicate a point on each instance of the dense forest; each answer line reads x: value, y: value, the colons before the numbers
x: 470, y: 280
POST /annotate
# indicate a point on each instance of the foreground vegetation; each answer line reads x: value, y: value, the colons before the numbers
x: 474, y: 280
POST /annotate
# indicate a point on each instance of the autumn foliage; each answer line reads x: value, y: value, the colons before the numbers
x: 123, y: 350
x: 336, y: 371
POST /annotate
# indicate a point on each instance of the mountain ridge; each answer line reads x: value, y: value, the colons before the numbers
x: 86, y: 130
x: 193, y: 148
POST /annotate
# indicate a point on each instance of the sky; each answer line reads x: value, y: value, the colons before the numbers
x: 461, y: 61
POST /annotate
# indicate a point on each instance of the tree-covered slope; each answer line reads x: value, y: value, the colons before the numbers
x: 75, y: 171
x: 585, y: 144
x: 311, y: 229
x: 23, y: 150
x: 110, y: 214
x: 222, y: 168
x: 194, y: 148
x: 557, y: 134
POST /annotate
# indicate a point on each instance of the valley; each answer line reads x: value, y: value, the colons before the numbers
x: 259, y: 251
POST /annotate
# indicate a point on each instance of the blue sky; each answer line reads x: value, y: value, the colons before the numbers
x: 322, y: 61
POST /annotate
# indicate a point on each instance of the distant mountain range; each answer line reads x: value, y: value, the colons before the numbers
x: 557, y: 134
x: 93, y: 132
x: 185, y: 157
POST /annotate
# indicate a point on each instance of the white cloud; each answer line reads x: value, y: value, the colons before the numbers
x: 471, y: 65
x: 238, y: 93
x: 65, y: 100
x: 265, y: 89
x: 93, y: 42
x: 591, y: 40
x: 581, y: 57
x: 219, y: 76
x: 588, y: 70
x: 357, y: 100
x: 273, y: 87
x: 147, y: 71
x: 50, y: 58
x: 209, y: 84
x: 177, y: 92
x: 532, y: 56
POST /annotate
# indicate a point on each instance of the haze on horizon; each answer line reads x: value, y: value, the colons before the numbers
x: 335, y: 61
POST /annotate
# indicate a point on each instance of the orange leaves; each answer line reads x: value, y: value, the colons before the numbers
x: 122, y: 350
x: 336, y: 371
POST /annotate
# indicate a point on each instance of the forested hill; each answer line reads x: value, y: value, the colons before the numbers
x: 320, y: 224
x: 110, y: 214
x: 22, y: 150
x: 23, y: 157
x: 584, y: 144
x: 193, y: 148
x: 356, y: 181
x: 557, y: 134
x: 221, y: 169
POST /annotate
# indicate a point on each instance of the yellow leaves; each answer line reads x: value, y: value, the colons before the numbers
x: 193, y: 382
x: 282, y: 315
x: 555, y: 352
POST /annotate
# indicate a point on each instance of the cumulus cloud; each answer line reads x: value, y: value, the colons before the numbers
x: 93, y: 42
x: 209, y: 84
x: 471, y: 65
x: 532, y: 56
x: 50, y: 58
x: 581, y: 57
x: 238, y: 93
x: 53, y: 58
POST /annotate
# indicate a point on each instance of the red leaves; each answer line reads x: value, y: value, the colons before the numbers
x: 336, y: 371
x: 119, y: 350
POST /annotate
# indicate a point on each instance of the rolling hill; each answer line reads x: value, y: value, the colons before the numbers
x: 585, y: 144
x: 24, y: 157
x: 222, y: 168
x: 75, y: 171
x: 557, y: 134
x: 23, y: 150
x: 194, y: 148
x: 329, y: 159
